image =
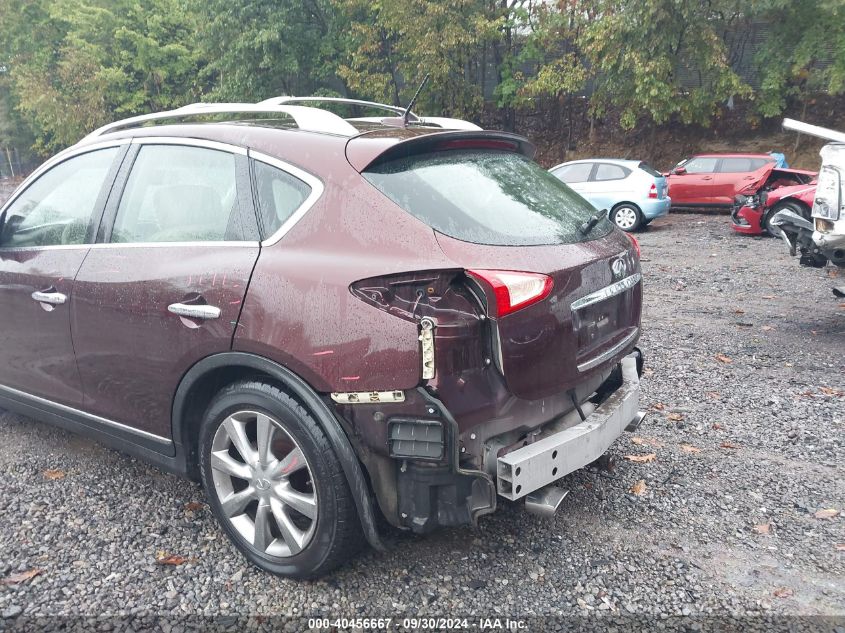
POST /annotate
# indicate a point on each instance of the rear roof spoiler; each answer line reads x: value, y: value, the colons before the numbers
x: 367, y: 150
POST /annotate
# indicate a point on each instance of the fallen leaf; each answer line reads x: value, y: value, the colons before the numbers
x: 675, y: 417
x: 763, y: 528
x: 840, y: 547
x: 767, y: 328
x: 639, y: 441
x: 783, y: 592
x: 648, y: 371
x: 827, y: 513
x: 23, y: 576
x: 689, y: 448
x: 639, y: 488
x: 769, y: 297
x: 194, y: 506
x: 714, y: 394
x: 52, y: 474
x: 723, y: 359
x: 739, y: 311
x: 163, y: 558
x: 829, y: 391
x: 641, y: 459
x: 728, y: 445
x: 659, y: 406
x: 717, y: 426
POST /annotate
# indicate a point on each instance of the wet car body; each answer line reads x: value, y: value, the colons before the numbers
x: 781, y: 188
x: 432, y: 363
x: 632, y: 191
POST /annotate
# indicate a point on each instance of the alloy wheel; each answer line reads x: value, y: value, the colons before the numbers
x: 264, y: 484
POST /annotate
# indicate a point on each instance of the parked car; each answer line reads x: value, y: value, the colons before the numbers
x: 633, y: 192
x: 714, y: 180
x: 820, y: 239
x: 752, y: 213
x: 320, y: 321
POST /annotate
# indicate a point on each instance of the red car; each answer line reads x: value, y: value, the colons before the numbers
x: 752, y: 213
x: 714, y: 180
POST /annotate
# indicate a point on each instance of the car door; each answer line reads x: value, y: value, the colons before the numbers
x: 695, y: 185
x: 577, y: 176
x: 47, y: 229
x: 163, y: 286
x: 733, y: 170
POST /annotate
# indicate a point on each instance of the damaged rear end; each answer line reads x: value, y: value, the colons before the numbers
x: 528, y: 365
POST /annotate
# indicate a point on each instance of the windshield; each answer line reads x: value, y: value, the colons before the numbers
x: 487, y: 197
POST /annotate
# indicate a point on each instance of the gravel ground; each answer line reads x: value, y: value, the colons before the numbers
x: 747, y: 449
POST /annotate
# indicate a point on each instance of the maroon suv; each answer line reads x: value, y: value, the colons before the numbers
x: 321, y: 319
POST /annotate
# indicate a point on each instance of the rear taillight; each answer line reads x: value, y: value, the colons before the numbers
x: 514, y: 290
x: 634, y: 242
x: 652, y: 193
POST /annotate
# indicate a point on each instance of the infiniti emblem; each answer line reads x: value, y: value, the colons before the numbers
x: 619, y: 268
x: 263, y: 484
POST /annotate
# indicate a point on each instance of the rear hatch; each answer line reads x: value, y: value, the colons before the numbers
x: 576, y: 310
x: 660, y: 183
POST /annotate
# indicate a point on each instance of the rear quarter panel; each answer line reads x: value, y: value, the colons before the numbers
x: 299, y: 310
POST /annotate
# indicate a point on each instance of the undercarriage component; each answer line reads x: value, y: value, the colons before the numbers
x: 797, y: 232
x: 546, y: 460
x: 545, y: 501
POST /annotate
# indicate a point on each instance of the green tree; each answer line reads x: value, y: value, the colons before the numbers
x: 76, y: 65
x: 662, y: 58
x: 803, y: 54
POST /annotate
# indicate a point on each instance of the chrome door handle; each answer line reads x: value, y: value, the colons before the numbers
x: 194, y: 311
x: 53, y: 298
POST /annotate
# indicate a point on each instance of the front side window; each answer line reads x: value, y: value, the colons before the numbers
x: 58, y: 208
x: 700, y: 165
x: 278, y: 195
x: 487, y: 197
x: 578, y: 172
x: 179, y: 194
x: 606, y: 171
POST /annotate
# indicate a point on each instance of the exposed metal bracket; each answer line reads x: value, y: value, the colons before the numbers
x: 367, y: 397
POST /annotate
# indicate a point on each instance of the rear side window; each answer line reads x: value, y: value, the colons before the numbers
x: 700, y: 165
x: 57, y: 208
x: 179, y: 194
x: 651, y: 171
x: 487, y: 197
x: 736, y: 165
x: 579, y: 172
x: 757, y: 163
x: 606, y: 171
x: 278, y: 194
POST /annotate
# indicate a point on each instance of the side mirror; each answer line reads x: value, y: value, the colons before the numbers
x: 679, y: 171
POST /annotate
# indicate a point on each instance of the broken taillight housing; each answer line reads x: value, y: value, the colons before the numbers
x: 514, y: 290
x: 652, y: 193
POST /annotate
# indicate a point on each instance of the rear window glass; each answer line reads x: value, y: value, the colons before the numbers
x: 651, y: 171
x: 487, y: 197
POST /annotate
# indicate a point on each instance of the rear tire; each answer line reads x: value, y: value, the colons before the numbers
x: 627, y: 217
x: 795, y: 207
x: 275, y: 484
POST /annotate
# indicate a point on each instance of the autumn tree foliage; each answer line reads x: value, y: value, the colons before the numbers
x: 67, y: 66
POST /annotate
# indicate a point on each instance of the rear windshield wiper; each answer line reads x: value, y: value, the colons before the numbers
x: 594, y: 219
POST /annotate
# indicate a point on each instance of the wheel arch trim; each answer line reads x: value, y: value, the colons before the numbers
x: 315, y: 405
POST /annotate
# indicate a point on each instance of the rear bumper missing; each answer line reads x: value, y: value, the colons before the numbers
x: 546, y: 460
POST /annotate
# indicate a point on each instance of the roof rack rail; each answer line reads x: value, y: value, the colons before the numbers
x: 306, y: 118
x: 444, y: 122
